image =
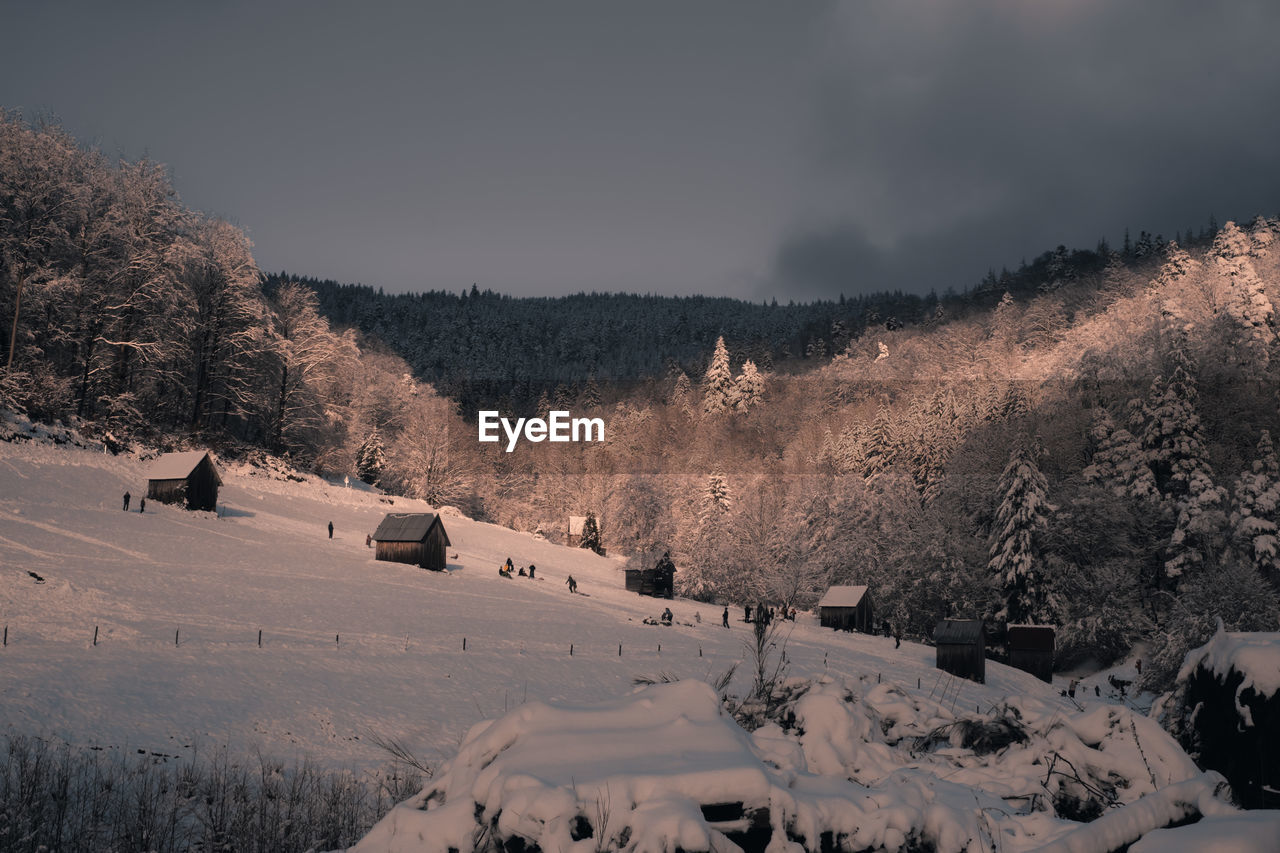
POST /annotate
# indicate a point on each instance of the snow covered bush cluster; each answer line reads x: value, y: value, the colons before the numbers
x: 855, y: 766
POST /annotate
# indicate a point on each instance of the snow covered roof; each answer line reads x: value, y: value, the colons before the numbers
x: 176, y: 466
x: 843, y: 596
x: 407, y: 527
x: 964, y: 631
x: 576, y: 523
x: 1255, y: 655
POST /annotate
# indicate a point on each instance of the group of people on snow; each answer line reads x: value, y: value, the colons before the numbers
x: 767, y: 614
x: 505, y: 570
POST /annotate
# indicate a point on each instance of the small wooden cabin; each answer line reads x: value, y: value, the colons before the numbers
x: 416, y: 538
x: 962, y: 648
x: 1031, y: 649
x: 188, y: 478
x: 658, y: 581
x: 576, y: 524
x: 847, y: 608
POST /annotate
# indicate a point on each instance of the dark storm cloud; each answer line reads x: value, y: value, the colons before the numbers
x: 949, y: 137
x: 726, y: 146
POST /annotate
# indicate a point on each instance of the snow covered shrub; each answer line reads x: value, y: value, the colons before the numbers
x: 1225, y: 708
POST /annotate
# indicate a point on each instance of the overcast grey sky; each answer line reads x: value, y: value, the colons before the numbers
x: 719, y: 146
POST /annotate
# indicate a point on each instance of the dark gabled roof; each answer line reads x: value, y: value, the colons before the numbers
x: 960, y: 631
x: 1031, y: 638
x: 408, y: 527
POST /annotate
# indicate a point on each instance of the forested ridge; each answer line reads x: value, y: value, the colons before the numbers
x: 1085, y: 441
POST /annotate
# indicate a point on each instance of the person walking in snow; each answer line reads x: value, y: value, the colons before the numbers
x: 142, y: 504
x: 724, y: 618
x: 532, y: 569
x: 331, y: 530
x: 573, y: 584
x: 368, y: 540
x: 126, y: 502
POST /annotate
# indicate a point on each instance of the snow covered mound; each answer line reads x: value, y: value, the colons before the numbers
x: 1225, y: 709
x: 1256, y: 656
x: 667, y: 769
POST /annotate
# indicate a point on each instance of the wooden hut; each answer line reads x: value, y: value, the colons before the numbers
x: 576, y: 524
x: 847, y: 608
x: 962, y: 648
x: 658, y: 581
x: 416, y: 538
x: 1031, y: 649
x: 188, y: 478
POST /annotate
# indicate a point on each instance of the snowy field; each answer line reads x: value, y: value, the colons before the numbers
x: 397, y: 668
x: 354, y: 650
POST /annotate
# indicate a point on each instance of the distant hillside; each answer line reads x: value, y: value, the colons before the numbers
x: 478, y: 346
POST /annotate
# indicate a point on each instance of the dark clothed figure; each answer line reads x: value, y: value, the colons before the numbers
x: 126, y: 502
x: 724, y: 618
x: 331, y: 530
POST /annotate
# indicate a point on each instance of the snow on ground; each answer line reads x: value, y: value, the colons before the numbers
x: 398, y: 667
x: 354, y: 650
x: 870, y: 766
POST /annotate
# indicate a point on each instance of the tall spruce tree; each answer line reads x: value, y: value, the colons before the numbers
x: 371, y: 458
x: 1256, y: 512
x: 1015, y: 555
x: 717, y: 384
x: 591, y: 534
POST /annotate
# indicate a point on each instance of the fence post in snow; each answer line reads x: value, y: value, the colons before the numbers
x: 259, y: 638
x: 175, y: 637
x: 95, y: 635
x: 619, y: 649
x: 6, y: 635
x: 464, y: 644
x: 571, y: 650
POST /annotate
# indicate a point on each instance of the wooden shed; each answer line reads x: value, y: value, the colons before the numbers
x: 416, y: 538
x: 658, y: 581
x: 576, y: 523
x: 847, y: 608
x: 1031, y: 649
x: 962, y: 648
x: 188, y: 478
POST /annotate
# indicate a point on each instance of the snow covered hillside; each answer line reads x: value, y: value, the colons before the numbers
x: 140, y: 632
x: 349, y: 645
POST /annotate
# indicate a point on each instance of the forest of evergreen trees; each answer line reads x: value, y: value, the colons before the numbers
x: 1087, y: 441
